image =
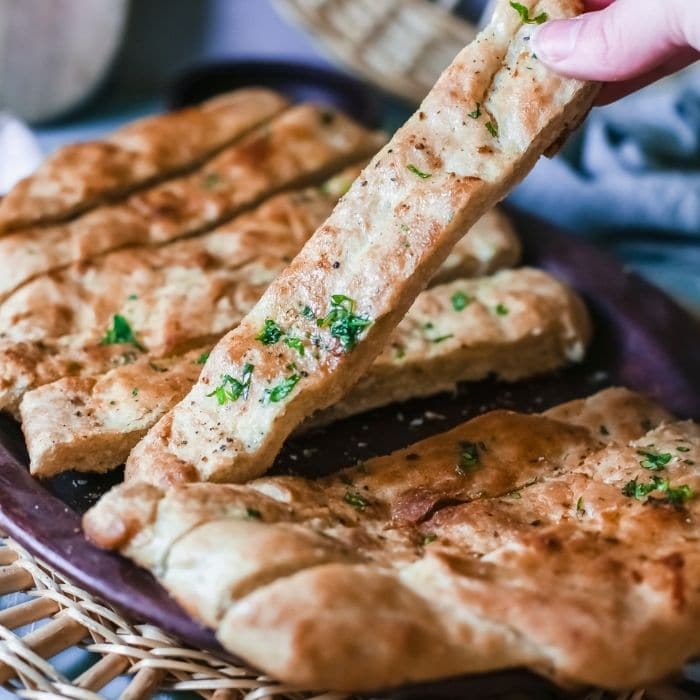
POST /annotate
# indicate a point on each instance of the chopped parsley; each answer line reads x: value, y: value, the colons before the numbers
x: 120, y: 332
x: 283, y: 389
x: 604, y: 430
x: 683, y: 448
x: 654, y: 461
x: 441, y: 338
x: 676, y: 495
x: 270, y: 333
x: 232, y: 389
x: 342, y: 321
x: 502, y: 310
x: 211, y: 180
x: 492, y: 129
x: 307, y: 312
x: 515, y: 495
x: 253, y: 514
x: 133, y: 297
x: 460, y: 301
x: 135, y: 392
x: 295, y: 343
x: 400, y: 352
x: 428, y: 539
x: 580, y: 506
x: 202, y: 358
x: 356, y: 500
x: 476, y: 113
x: 420, y: 173
x: 525, y: 14
x: 468, y: 458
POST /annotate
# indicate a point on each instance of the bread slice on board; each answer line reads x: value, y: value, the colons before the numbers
x: 79, y: 176
x: 452, y: 333
x: 512, y: 540
x: 488, y: 119
x: 301, y: 146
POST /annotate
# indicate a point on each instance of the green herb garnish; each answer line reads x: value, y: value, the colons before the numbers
x: 460, y: 301
x: 476, y: 113
x: 492, y: 129
x: 525, y: 14
x: 604, y: 430
x: 653, y: 461
x: 683, y: 448
x: 202, y: 358
x: 133, y: 297
x: 295, y: 344
x: 441, y: 338
x: 135, y: 391
x: 211, y: 180
x: 342, y: 321
x: 580, y: 506
x: 270, y: 333
x: 232, y: 389
x: 120, y: 332
x: 428, y: 539
x: 283, y: 389
x: 356, y: 500
x: 307, y: 312
x: 420, y: 173
x: 676, y: 495
x: 502, y: 310
x: 468, y: 458
x: 253, y: 514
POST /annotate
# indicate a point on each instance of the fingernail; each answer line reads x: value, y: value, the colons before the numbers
x: 555, y: 41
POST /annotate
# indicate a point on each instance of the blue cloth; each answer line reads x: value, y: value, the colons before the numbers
x: 631, y: 178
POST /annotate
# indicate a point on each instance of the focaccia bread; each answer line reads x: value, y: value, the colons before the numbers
x: 454, y: 332
x: 181, y: 292
x: 494, y: 111
x: 512, y: 540
x: 215, y: 279
x: 303, y: 145
x: 79, y: 176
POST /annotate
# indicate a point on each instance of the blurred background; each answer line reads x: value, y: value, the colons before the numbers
x: 74, y: 69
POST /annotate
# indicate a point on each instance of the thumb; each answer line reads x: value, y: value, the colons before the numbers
x: 622, y: 41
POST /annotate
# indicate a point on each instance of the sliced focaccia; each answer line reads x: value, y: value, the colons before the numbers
x: 180, y: 293
x: 303, y: 144
x: 516, y: 324
x: 494, y: 111
x: 124, y: 308
x: 79, y: 176
x: 509, y: 541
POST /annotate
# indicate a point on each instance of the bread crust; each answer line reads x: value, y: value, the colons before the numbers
x: 80, y: 176
x: 419, y: 565
x: 92, y: 423
x: 303, y: 145
x: 439, y: 173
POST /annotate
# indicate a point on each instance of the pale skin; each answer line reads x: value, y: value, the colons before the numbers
x: 626, y: 44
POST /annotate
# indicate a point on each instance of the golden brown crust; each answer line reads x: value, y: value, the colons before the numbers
x: 303, y: 145
x: 430, y: 183
x: 92, y: 423
x: 511, y: 540
x: 79, y: 176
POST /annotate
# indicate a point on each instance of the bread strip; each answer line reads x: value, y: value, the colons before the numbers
x: 213, y: 281
x: 427, y: 563
x: 365, y: 266
x: 92, y: 423
x: 179, y: 293
x: 304, y: 144
x: 80, y: 176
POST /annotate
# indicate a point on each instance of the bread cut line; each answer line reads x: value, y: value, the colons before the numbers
x: 452, y: 333
x: 224, y: 274
x: 302, y: 145
x: 175, y: 293
x: 494, y: 111
x: 555, y: 542
x: 79, y: 176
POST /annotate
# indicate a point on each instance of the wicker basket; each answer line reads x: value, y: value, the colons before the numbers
x: 401, y: 45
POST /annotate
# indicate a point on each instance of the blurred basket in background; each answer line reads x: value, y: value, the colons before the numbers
x: 400, y: 45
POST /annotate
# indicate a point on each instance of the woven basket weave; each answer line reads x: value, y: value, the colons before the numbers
x: 401, y: 45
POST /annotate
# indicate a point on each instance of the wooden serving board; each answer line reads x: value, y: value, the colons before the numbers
x: 643, y: 340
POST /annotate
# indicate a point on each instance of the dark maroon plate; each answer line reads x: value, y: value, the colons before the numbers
x: 643, y: 340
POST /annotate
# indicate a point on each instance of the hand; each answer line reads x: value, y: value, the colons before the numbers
x: 624, y: 43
